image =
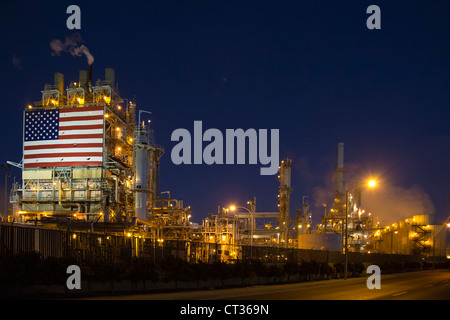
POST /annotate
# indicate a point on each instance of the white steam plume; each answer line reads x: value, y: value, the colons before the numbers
x: 72, y: 45
x: 393, y: 203
x: 387, y: 202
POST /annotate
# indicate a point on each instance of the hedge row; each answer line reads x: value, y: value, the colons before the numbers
x: 31, y: 269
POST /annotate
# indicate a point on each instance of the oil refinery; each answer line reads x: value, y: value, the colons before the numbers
x: 91, y: 165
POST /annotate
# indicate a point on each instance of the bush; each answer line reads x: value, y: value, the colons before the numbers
x: 259, y: 268
x: 220, y: 270
x: 243, y: 269
x: 274, y: 271
x: 290, y: 268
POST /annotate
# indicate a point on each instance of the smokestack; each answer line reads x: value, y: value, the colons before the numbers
x: 59, y: 82
x: 340, y: 169
x: 84, y: 78
x: 90, y: 73
x: 340, y: 155
x: 110, y: 77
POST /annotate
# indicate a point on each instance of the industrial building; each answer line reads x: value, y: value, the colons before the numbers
x: 87, y: 165
x: 91, y: 164
x: 347, y: 224
x: 415, y: 235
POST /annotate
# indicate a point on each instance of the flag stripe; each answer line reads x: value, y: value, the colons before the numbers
x: 57, y: 142
x: 62, y: 160
x: 79, y: 110
x: 77, y: 137
x: 69, y: 145
x: 84, y: 118
x: 65, y: 164
x: 60, y: 150
x: 81, y: 127
x: 74, y: 132
x: 63, y: 155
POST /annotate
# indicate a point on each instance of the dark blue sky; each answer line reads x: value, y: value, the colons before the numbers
x: 311, y: 69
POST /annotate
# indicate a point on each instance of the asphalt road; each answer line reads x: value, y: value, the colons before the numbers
x: 422, y: 285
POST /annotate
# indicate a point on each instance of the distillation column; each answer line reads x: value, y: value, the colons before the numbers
x: 340, y: 170
x: 339, y: 199
x: 284, y: 198
x: 141, y: 178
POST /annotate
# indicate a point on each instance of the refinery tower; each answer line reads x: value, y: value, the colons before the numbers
x: 89, y: 156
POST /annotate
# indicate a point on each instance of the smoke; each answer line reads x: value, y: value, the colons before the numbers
x: 71, y: 45
x: 393, y: 203
x: 387, y: 202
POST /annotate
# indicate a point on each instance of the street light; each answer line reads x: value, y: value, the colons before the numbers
x: 233, y: 208
x: 371, y: 184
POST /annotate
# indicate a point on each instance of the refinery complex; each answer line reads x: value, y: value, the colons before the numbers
x: 91, y: 165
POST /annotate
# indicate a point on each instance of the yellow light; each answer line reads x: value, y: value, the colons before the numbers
x: 119, y: 148
x: 74, y: 236
x: 30, y: 107
x: 232, y: 208
x: 117, y: 129
x: 106, y: 115
x: 372, y: 183
x: 128, y: 234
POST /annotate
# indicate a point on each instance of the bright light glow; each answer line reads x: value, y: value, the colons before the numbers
x: 372, y: 183
x: 232, y: 208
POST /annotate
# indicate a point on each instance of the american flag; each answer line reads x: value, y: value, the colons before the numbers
x: 63, y: 137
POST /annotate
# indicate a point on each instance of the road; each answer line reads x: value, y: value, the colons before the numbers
x: 421, y: 285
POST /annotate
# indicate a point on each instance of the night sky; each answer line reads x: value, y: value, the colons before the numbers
x: 311, y: 69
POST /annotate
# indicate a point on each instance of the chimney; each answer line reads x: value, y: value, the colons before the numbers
x: 340, y: 169
x: 110, y: 77
x: 84, y: 78
x: 90, y: 74
x: 59, y: 82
